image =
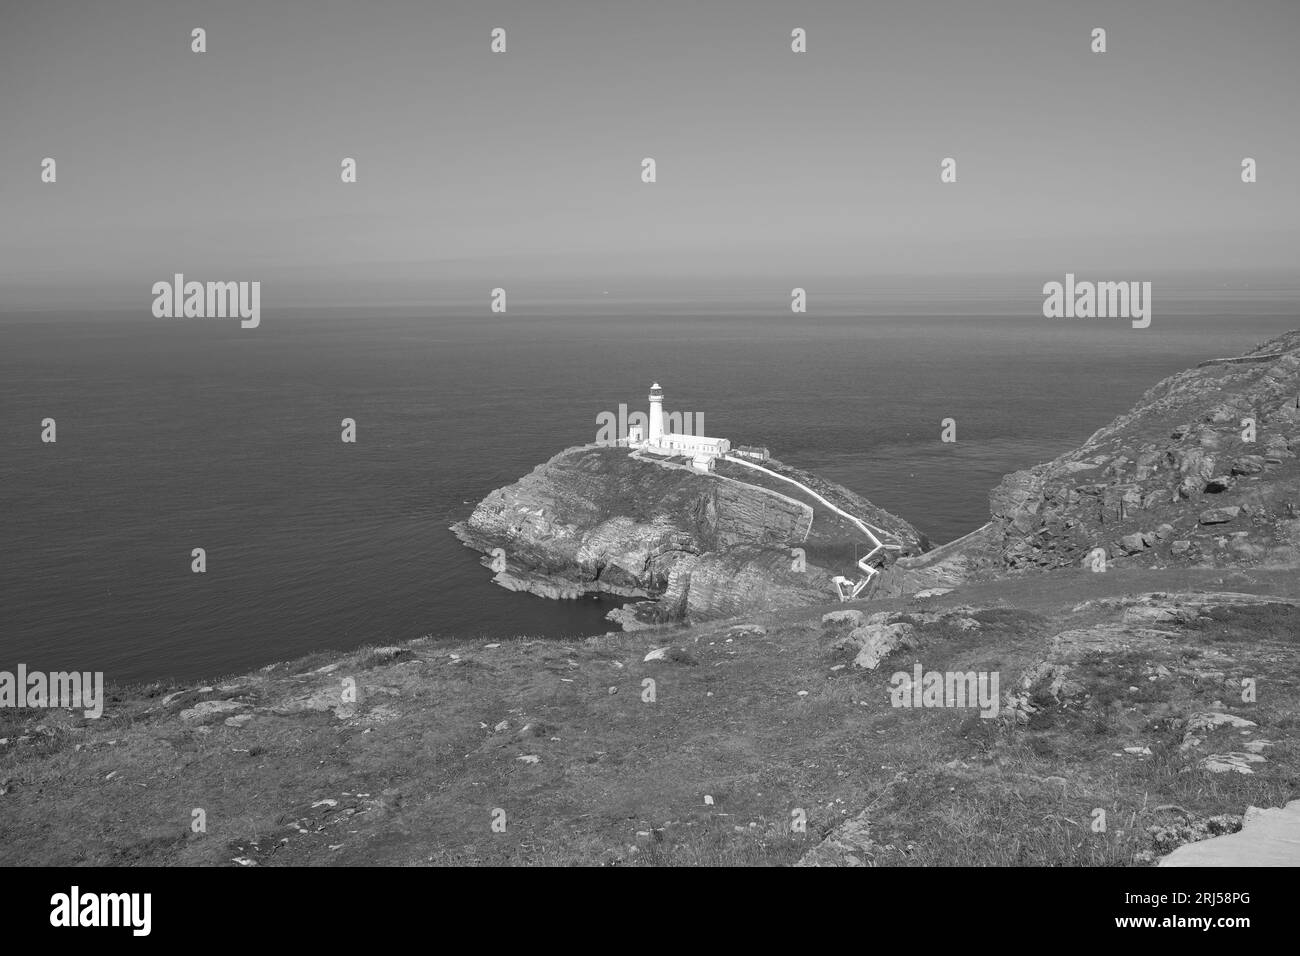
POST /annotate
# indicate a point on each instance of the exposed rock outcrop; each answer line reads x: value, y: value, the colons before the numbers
x: 1203, y: 471
x: 1214, y: 445
x: 598, y: 520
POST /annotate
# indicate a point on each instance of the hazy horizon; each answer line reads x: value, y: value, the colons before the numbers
x: 478, y: 169
x: 1274, y: 291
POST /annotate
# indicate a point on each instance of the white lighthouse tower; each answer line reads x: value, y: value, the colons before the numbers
x: 676, y: 444
x: 656, y: 414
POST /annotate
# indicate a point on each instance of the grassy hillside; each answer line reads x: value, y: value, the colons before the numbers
x: 767, y: 716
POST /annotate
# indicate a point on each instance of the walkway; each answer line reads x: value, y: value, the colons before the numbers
x: 662, y: 463
x: 855, y: 588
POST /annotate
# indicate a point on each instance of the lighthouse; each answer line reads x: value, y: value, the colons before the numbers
x: 678, y: 443
x: 656, y: 413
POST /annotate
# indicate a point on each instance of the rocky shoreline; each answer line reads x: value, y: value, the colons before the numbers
x: 691, y: 547
x: 1202, y: 472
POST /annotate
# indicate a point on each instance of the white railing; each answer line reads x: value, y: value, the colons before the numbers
x: 841, y: 583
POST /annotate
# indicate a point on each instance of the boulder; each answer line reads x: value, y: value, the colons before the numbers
x: 1219, y: 515
x: 1159, y: 614
x: 1234, y: 762
x: 849, y: 844
x: 848, y: 642
x: 878, y: 641
x: 208, y: 708
x: 675, y: 655
x: 1193, y: 463
x: 850, y: 618
x: 326, y: 698
x: 1133, y: 543
x: 1201, y: 725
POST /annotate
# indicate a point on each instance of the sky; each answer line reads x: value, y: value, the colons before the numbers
x: 478, y: 169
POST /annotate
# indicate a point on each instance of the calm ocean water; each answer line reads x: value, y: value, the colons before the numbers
x: 181, y: 434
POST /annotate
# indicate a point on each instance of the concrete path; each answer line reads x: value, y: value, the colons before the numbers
x: 870, y: 572
x: 1267, y: 838
x: 654, y: 460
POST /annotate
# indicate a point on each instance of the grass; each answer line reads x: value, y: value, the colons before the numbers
x: 761, y: 724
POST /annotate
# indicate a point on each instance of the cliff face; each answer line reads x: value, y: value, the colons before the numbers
x: 1183, y: 479
x: 593, y: 519
x: 1202, y: 472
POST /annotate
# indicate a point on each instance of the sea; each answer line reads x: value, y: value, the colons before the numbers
x: 181, y: 434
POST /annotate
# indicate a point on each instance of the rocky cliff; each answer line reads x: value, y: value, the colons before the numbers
x: 1201, y: 472
x: 599, y: 520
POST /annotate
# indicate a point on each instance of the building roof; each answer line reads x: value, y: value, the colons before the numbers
x: 697, y: 439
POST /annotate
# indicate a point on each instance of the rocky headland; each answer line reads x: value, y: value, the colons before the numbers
x: 1202, y: 472
x: 598, y: 519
